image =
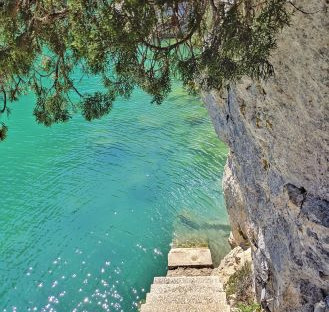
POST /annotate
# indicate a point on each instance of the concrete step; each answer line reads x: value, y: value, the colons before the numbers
x: 183, y: 271
x: 185, y: 288
x: 189, y: 257
x: 210, y: 307
x: 187, y: 298
x: 187, y: 280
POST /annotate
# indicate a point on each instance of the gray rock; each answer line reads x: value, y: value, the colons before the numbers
x: 276, y: 182
x: 320, y: 307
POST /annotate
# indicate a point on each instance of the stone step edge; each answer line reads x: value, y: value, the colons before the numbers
x: 178, y: 307
x: 189, y: 298
x: 196, y: 257
x: 189, y: 279
x: 177, y: 287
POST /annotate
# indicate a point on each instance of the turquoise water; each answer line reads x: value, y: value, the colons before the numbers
x: 88, y: 210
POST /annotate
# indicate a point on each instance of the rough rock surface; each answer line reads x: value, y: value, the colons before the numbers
x: 276, y: 181
x: 232, y: 263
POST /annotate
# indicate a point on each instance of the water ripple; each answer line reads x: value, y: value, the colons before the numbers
x: 88, y: 210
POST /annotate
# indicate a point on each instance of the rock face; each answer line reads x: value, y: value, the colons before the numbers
x: 276, y: 180
x: 232, y: 263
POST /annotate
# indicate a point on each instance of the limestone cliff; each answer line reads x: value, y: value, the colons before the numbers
x: 276, y: 180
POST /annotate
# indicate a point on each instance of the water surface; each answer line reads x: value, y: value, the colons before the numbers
x: 88, y: 210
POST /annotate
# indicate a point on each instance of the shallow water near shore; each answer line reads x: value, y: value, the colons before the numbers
x: 88, y: 210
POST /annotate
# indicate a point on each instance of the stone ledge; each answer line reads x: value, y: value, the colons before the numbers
x: 189, y: 257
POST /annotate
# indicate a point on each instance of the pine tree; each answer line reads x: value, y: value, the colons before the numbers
x: 128, y: 44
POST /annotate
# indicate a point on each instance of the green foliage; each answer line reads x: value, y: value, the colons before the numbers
x: 240, y: 285
x: 249, y: 308
x: 129, y: 44
x: 3, y: 131
x: 96, y: 105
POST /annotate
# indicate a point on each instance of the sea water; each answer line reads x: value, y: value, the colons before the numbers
x: 88, y: 210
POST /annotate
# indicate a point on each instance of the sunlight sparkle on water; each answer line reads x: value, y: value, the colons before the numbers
x: 95, y: 205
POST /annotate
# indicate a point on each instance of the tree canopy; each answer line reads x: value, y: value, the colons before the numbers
x: 128, y: 44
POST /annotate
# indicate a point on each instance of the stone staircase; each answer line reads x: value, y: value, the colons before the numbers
x: 186, y: 288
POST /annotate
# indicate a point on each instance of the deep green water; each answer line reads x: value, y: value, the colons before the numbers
x: 88, y: 210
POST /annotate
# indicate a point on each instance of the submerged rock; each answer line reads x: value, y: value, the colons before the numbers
x: 203, y: 225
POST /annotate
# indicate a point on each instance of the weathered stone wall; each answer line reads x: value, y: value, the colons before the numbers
x: 276, y: 180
